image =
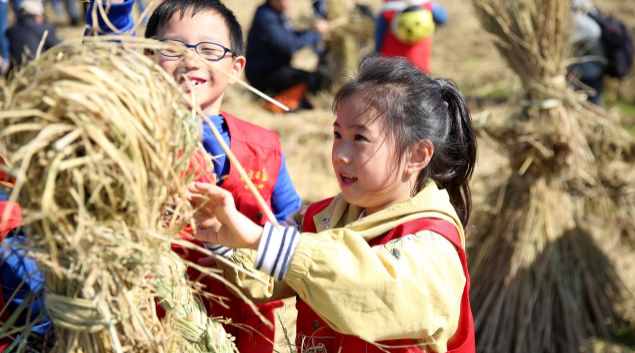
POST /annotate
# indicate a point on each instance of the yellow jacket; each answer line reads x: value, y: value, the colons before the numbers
x: 368, y: 291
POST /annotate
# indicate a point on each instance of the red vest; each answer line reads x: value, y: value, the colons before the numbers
x: 258, y: 151
x: 418, y: 54
x: 312, y: 331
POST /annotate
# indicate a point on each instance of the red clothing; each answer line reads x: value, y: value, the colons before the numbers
x: 10, y: 217
x: 10, y: 212
x: 259, y: 152
x: 418, y: 54
x: 311, y: 327
x: 9, y: 221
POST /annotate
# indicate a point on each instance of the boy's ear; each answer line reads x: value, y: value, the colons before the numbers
x: 238, y: 66
x: 419, y: 156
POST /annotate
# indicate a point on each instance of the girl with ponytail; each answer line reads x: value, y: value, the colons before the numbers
x: 381, y: 266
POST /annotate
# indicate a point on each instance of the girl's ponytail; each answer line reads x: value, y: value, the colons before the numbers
x: 454, y: 168
x: 417, y: 108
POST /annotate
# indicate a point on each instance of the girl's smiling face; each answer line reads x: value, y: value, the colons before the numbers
x: 364, y: 158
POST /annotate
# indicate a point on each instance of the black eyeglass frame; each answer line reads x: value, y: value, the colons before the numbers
x: 196, y: 49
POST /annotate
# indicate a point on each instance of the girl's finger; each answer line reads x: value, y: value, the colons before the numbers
x: 197, y: 196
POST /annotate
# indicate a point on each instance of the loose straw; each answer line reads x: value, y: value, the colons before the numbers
x: 250, y: 87
x: 338, y: 22
x: 41, y: 45
x: 257, y: 92
x: 236, y: 164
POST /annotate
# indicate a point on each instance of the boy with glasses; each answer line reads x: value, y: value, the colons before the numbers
x: 204, y: 52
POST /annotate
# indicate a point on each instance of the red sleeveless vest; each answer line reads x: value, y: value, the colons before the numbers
x: 312, y: 331
x: 418, y: 54
x: 258, y: 150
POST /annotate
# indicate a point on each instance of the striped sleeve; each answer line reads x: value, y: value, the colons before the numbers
x: 219, y: 250
x: 276, y: 249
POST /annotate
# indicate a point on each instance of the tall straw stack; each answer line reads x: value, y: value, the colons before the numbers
x: 543, y: 262
x: 347, y: 41
x: 99, y: 139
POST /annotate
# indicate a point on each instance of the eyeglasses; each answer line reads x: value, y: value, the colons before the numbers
x: 175, y: 49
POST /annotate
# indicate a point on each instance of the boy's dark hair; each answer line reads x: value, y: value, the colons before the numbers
x: 415, y: 107
x: 168, y: 8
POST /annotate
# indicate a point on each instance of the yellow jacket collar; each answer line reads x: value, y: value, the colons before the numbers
x: 429, y: 202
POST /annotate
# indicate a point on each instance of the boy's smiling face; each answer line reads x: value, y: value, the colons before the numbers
x: 206, y: 80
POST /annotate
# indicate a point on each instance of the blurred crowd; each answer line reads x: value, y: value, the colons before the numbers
x: 25, y: 27
x: 399, y: 28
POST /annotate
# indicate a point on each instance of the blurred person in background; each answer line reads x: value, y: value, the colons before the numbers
x: 405, y: 29
x: 271, y: 43
x: 589, y: 58
x: 28, y: 32
x: 71, y: 8
x: 4, y: 42
x: 350, y: 38
x: 319, y: 8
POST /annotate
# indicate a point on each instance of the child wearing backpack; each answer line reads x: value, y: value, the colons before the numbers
x: 405, y: 27
x: 381, y: 267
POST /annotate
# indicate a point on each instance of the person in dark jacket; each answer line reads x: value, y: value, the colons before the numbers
x: 27, y: 33
x: 271, y: 43
x: 590, y: 60
x: 4, y: 43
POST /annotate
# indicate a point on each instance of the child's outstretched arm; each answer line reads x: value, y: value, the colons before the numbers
x: 409, y: 288
x: 215, y: 204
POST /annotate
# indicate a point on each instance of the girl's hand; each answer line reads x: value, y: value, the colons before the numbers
x: 207, y: 229
x: 211, y: 202
x: 214, y: 203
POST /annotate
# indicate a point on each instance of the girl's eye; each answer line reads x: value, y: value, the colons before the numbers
x: 359, y: 137
x: 336, y: 135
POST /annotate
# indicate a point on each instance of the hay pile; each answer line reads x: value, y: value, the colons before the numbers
x: 348, y: 41
x: 543, y: 262
x: 99, y: 139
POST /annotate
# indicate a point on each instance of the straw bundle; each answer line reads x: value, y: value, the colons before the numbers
x: 100, y: 139
x: 348, y: 40
x: 543, y: 262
